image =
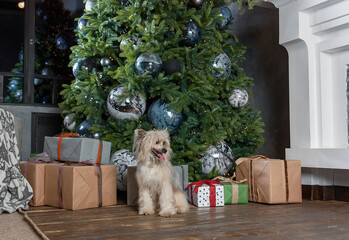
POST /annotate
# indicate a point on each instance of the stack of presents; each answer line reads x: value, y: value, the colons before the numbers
x: 74, y: 173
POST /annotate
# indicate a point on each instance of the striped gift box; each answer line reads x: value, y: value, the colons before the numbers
x: 235, y: 193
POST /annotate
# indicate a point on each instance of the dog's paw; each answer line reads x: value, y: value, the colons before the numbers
x: 167, y: 213
x: 182, y: 208
x: 146, y: 211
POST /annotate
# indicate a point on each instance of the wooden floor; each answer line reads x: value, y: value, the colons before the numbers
x: 309, y: 220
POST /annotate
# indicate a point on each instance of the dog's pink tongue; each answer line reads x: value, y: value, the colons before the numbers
x: 162, y: 157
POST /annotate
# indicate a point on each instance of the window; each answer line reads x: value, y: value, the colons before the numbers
x: 35, y: 49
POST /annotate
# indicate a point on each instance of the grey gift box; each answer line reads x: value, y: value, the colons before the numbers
x: 132, y: 186
x: 78, y: 149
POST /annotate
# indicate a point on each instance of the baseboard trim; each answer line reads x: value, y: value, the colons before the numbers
x: 325, y: 193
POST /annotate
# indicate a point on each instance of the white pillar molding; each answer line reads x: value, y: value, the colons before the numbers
x: 316, y: 36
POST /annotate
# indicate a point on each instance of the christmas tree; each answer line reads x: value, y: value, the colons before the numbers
x: 172, y: 64
x: 54, y: 35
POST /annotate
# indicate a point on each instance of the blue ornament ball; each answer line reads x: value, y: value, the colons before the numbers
x: 83, y: 63
x: 13, y: 85
x: 163, y: 118
x: 224, y: 12
x: 82, y: 23
x: 83, y: 131
x: 192, y: 34
x: 148, y: 63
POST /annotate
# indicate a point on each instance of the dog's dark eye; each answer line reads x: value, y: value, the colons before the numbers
x: 164, y: 143
x: 157, y: 142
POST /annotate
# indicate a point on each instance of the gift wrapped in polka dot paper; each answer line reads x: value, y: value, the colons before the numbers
x: 208, y: 193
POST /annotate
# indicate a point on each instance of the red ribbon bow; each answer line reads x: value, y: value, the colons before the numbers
x: 210, y: 183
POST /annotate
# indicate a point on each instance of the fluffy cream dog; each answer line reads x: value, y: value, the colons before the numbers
x: 158, y: 181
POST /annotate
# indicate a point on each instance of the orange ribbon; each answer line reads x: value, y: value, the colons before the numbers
x: 61, y: 136
x: 72, y: 135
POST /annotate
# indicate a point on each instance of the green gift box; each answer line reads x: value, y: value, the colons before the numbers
x: 236, y: 193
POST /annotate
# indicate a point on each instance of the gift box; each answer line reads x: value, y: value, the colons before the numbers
x: 235, y: 192
x: 76, y: 149
x: 271, y: 181
x: 132, y: 186
x: 35, y: 174
x: 34, y: 171
x: 80, y: 187
x: 208, y: 193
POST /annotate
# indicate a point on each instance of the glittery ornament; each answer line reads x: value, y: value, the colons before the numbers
x: 127, y: 108
x: 219, y: 156
x: 122, y: 159
x: 238, y: 98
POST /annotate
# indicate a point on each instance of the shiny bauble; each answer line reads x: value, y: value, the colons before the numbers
x: 122, y: 159
x: 82, y: 129
x: 38, y: 81
x: 13, y: 85
x: 192, y: 34
x: 82, y: 23
x: 127, y: 108
x: 148, y: 63
x: 89, y: 5
x: 106, y: 61
x: 196, y: 3
x: 46, y: 99
x: 224, y: 12
x: 163, y: 118
x: 19, y: 95
x: 171, y: 66
x: 46, y: 71
x: 20, y: 56
x: 69, y: 122
x: 83, y: 63
x: 238, y: 98
x: 221, y: 66
x: 135, y: 43
x: 219, y: 156
x: 63, y: 41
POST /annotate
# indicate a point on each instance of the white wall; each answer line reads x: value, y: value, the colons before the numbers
x: 316, y: 36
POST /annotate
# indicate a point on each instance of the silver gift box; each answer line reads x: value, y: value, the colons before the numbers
x: 78, y: 149
x: 132, y: 186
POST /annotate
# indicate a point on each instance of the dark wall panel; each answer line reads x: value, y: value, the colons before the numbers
x: 266, y: 62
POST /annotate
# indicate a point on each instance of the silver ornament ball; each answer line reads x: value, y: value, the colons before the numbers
x: 89, y: 5
x: 122, y: 159
x: 126, y: 109
x: 69, y: 122
x: 148, y: 63
x: 238, y: 98
x: 219, y: 156
x: 222, y: 66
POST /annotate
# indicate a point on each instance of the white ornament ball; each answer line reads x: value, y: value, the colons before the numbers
x: 89, y: 5
x: 219, y: 156
x: 122, y: 159
x: 68, y: 122
x: 238, y: 98
x: 126, y: 109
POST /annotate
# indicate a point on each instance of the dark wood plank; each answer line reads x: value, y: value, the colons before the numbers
x: 309, y: 220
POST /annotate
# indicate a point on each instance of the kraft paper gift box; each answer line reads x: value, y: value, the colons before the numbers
x: 76, y: 149
x: 35, y: 174
x: 208, y: 193
x: 80, y: 188
x: 132, y: 186
x: 271, y: 181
